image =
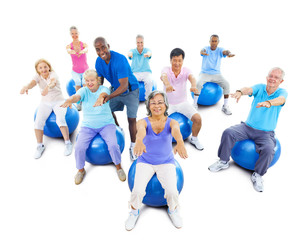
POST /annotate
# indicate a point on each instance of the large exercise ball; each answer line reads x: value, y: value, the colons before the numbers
x: 98, y: 153
x: 142, y: 90
x: 51, y: 129
x: 245, y: 155
x: 70, y: 87
x: 185, y: 124
x: 211, y: 93
x: 154, y: 192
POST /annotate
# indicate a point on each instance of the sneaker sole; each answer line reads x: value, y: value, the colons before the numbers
x: 222, y: 168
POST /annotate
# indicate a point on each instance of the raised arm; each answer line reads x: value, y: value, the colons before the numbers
x: 244, y: 91
x: 28, y: 86
x: 176, y: 133
x: 193, y: 87
x: 166, y: 83
x: 51, y: 85
x: 73, y: 99
x: 141, y: 133
x: 274, y: 102
x: 228, y: 53
x: 69, y: 50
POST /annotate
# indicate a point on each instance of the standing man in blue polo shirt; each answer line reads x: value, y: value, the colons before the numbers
x: 115, y: 68
x: 212, y: 56
x: 140, y: 57
x: 260, y: 125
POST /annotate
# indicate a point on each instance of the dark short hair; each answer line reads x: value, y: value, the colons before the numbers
x: 177, y: 52
x: 214, y: 35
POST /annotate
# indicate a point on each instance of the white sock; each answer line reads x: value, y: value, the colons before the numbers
x: 132, y: 144
x: 195, y: 99
x: 135, y: 211
x: 67, y: 141
x: 40, y: 144
x: 194, y: 138
x: 226, y: 100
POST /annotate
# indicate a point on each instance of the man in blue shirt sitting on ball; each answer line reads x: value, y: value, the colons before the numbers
x: 259, y: 127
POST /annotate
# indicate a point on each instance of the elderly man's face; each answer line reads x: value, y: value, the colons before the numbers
x: 213, y: 43
x: 140, y: 44
x: 177, y: 63
x: 103, y: 51
x: 274, y: 78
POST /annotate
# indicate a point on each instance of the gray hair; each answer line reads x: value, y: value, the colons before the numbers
x: 278, y: 68
x: 73, y: 28
x: 151, y: 96
x: 140, y: 36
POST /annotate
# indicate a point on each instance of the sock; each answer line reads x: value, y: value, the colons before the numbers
x: 132, y: 144
x: 67, y: 141
x: 194, y: 138
x: 40, y: 144
x: 226, y: 100
x: 195, y: 99
x: 135, y: 211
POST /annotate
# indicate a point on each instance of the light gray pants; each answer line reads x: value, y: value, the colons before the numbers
x: 216, y: 78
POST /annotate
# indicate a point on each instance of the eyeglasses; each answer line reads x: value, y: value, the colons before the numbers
x: 156, y: 103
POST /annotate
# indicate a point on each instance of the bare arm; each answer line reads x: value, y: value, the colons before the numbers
x: 69, y: 50
x: 121, y: 89
x: 73, y: 99
x: 176, y: 133
x: 204, y: 53
x: 166, y: 83
x: 244, y: 91
x: 141, y: 133
x: 100, y: 99
x: 228, y: 53
x: 193, y: 87
x: 274, y: 102
x: 49, y: 86
x: 25, y: 89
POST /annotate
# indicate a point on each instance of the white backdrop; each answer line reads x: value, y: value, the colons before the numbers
x: 39, y: 199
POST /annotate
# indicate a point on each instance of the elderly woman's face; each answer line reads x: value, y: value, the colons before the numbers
x: 92, y: 83
x: 74, y: 34
x: 157, y: 105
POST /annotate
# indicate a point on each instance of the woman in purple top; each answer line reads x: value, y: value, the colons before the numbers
x: 154, y: 150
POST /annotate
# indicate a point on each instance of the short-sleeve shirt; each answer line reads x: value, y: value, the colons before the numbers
x: 117, y: 68
x: 139, y: 62
x: 95, y: 117
x: 55, y: 94
x: 264, y: 118
x: 178, y: 83
x: 211, y: 64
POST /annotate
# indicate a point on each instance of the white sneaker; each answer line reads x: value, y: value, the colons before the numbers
x: 226, y: 110
x: 133, y: 157
x: 219, y: 165
x: 175, y: 218
x: 131, y: 221
x: 39, y: 151
x: 196, y: 143
x: 121, y: 175
x: 257, y: 182
x: 68, y: 149
x: 79, y: 106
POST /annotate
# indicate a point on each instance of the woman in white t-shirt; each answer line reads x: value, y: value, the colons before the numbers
x: 52, y: 98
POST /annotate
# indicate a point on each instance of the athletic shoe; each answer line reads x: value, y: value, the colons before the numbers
x: 219, y: 165
x: 133, y: 157
x: 79, y: 177
x: 68, y: 149
x: 131, y: 221
x: 196, y: 143
x: 79, y: 106
x: 257, y: 182
x: 226, y: 110
x: 39, y: 151
x: 175, y: 218
x: 121, y: 175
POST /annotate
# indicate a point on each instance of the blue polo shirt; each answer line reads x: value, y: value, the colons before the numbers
x: 264, y: 118
x: 95, y: 117
x: 211, y: 64
x: 139, y: 62
x: 117, y: 68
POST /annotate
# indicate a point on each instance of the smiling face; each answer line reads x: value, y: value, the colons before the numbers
x: 92, y: 82
x: 214, y: 42
x: 140, y: 44
x: 176, y: 63
x: 274, y: 78
x: 74, y: 34
x: 43, y: 69
x: 103, y: 50
x: 157, y: 105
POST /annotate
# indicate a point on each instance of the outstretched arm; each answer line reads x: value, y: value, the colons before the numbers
x: 228, y: 53
x: 140, y: 148
x: 274, y: 102
x: 69, y: 50
x: 28, y: 86
x: 73, y: 99
x: 166, y: 83
x: 100, y: 99
x: 244, y: 91
x: 176, y: 133
x: 193, y: 87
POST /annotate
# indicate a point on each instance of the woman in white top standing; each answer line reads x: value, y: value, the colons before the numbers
x: 52, y: 98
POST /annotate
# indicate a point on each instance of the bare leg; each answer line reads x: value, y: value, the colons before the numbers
x: 196, y: 124
x: 115, y: 119
x: 65, y: 132
x: 39, y: 135
x: 132, y: 129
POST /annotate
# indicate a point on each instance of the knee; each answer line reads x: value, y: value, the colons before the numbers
x: 268, y: 150
x: 61, y: 121
x: 228, y: 133
x: 113, y: 147
x: 196, y: 119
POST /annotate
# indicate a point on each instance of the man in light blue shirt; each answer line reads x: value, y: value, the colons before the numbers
x: 140, y: 57
x: 259, y: 127
x: 212, y: 56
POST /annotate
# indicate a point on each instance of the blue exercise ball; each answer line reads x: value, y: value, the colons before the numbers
x: 98, y: 153
x: 185, y: 124
x: 70, y: 87
x: 154, y: 192
x: 51, y: 129
x: 245, y: 155
x: 211, y: 93
x: 142, y: 90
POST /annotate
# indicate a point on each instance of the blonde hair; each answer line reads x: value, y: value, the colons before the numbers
x: 92, y: 72
x: 42, y: 60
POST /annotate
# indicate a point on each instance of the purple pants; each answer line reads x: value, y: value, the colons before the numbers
x: 264, y: 140
x: 85, y: 136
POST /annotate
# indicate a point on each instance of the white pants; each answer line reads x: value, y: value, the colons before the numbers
x: 216, y: 78
x: 145, y: 77
x: 185, y: 108
x: 44, y: 112
x: 167, y: 176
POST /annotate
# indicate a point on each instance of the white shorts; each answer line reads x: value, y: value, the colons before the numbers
x: 78, y: 78
x: 44, y: 112
x: 185, y: 108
